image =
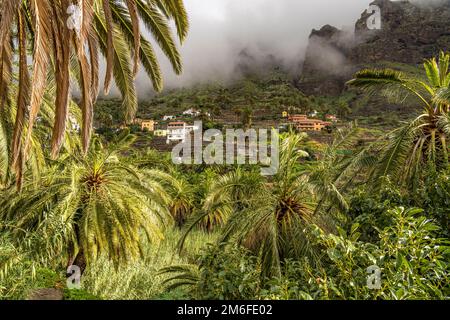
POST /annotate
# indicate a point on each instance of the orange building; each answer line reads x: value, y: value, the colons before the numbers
x: 298, y: 117
x: 302, y: 123
x: 312, y: 125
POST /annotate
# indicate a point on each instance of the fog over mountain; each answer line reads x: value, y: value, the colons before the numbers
x: 221, y: 29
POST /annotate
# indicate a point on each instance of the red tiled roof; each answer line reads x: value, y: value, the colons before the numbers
x: 310, y: 121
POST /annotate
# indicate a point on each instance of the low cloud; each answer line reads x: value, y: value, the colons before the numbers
x: 222, y: 29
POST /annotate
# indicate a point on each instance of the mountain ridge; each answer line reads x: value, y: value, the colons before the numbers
x: 409, y: 33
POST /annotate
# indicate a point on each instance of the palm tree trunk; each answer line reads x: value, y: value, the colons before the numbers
x: 78, y: 260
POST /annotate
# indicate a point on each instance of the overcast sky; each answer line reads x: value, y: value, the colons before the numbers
x: 222, y: 28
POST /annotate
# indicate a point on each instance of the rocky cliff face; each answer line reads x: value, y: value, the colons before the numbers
x: 409, y: 33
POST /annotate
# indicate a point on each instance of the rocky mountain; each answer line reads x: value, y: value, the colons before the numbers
x: 249, y: 63
x: 409, y: 32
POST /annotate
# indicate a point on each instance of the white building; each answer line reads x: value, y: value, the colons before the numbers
x: 192, y: 112
x: 313, y: 114
x: 178, y: 131
x: 167, y: 118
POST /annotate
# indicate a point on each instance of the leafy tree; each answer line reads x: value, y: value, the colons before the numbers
x: 223, y: 99
x: 412, y: 259
x: 434, y: 198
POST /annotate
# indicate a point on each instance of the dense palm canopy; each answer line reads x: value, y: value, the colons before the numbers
x: 423, y: 142
x: 38, y: 141
x: 181, y: 195
x: 88, y: 206
x: 269, y: 216
x: 64, y: 45
x: 84, y: 201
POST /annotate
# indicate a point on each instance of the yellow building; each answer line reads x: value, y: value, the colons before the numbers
x: 148, y: 125
x: 160, y: 133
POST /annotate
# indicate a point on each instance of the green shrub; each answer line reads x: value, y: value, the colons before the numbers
x: 370, y: 210
x: 46, y: 278
x: 228, y: 274
x: 79, y: 294
x: 414, y: 263
x: 435, y: 199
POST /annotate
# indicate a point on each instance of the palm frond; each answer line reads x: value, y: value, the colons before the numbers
x: 391, y: 83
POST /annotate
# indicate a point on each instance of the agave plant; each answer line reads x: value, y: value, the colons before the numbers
x: 64, y: 39
x: 423, y: 142
x: 84, y: 207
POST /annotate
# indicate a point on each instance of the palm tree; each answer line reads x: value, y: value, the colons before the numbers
x: 218, y: 209
x: 189, y: 197
x: 270, y: 217
x: 266, y: 216
x: 83, y: 207
x: 66, y: 38
x: 12, y: 155
x: 247, y: 118
x: 180, y: 190
x: 181, y: 194
x: 423, y: 142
